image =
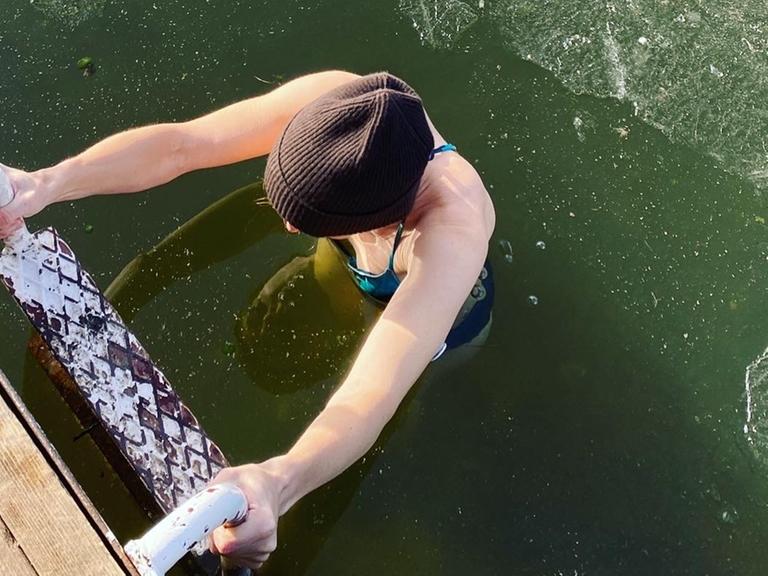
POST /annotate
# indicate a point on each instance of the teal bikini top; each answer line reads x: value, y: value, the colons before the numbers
x: 381, y: 287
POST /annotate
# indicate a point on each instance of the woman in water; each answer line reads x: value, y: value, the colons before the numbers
x: 354, y: 159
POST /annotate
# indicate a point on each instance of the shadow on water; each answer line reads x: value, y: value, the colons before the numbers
x: 224, y: 229
x: 308, y: 300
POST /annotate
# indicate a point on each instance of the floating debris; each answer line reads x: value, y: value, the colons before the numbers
x: 715, y: 72
x: 533, y: 300
x: 541, y: 245
x: 622, y: 131
x: 88, y: 228
x: 87, y: 66
x: 578, y: 125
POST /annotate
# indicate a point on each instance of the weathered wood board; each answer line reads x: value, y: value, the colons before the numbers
x: 47, y: 526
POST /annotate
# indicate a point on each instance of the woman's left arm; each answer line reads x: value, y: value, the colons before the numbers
x: 401, y: 344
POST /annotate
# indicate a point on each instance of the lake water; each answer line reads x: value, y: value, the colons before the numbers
x: 608, y: 426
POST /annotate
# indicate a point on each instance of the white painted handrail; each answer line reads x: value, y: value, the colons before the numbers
x: 6, y: 197
x: 186, y: 528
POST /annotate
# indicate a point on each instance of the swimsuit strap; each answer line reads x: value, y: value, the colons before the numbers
x: 398, y: 237
x: 443, y: 148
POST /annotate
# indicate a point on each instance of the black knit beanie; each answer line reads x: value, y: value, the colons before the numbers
x: 351, y: 160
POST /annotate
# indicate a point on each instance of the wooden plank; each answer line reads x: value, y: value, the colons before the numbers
x: 37, y: 435
x: 40, y: 514
x: 14, y: 562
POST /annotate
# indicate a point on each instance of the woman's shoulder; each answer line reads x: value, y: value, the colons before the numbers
x: 454, y: 196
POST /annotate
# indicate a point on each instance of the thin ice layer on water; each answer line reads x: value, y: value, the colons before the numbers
x: 158, y: 436
x: 439, y: 22
x: 696, y: 70
x: 756, y: 390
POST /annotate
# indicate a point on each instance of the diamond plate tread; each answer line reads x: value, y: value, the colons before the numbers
x: 155, y: 432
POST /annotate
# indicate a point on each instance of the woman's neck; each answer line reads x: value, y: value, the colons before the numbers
x: 374, y: 247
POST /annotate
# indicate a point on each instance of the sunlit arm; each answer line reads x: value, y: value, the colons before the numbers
x: 399, y: 347
x: 144, y: 157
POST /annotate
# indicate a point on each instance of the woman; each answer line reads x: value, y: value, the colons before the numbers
x: 354, y: 159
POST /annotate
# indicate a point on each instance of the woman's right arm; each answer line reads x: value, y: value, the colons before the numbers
x: 145, y: 157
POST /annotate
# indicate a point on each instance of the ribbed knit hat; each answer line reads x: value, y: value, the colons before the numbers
x: 351, y: 160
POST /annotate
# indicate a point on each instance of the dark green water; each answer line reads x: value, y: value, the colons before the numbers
x: 598, y: 432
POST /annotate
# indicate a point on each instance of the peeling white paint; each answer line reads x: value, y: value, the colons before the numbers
x: 187, y: 527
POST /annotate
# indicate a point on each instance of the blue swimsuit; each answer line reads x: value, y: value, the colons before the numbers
x: 380, y: 287
x: 474, y: 315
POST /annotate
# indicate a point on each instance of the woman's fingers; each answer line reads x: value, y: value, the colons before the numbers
x: 256, y: 535
x: 248, y: 561
x: 8, y: 228
x: 9, y: 221
x: 27, y: 200
x: 248, y: 544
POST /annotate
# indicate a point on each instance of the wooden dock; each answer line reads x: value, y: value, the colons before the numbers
x: 48, y: 526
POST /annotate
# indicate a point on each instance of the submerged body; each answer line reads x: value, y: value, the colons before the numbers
x: 475, y: 314
x: 439, y: 261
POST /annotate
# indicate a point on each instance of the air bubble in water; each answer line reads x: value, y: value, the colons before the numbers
x: 729, y: 516
x: 541, y: 245
x: 506, y: 249
x: 533, y: 300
